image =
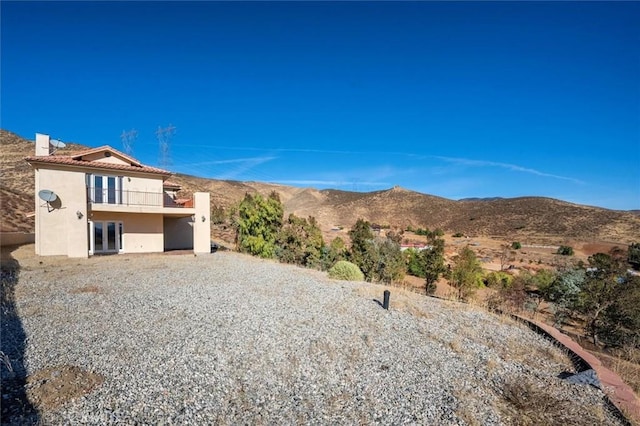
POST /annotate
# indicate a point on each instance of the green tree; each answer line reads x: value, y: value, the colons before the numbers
x: 363, y: 251
x: 466, y: 274
x: 433, y: 261
x: 564, y: 293
x: 543, y: 279
x: 390, y: 262
x: 498, y: 280
x: 620, y: 325
x: 300, y: 242
x: 379, y: 259
x: 413, y: 259
x: 604, y: 282
x: 334, y: 252
x: 258, y: 223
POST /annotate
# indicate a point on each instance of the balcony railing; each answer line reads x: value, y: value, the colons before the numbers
x: 121, y: 197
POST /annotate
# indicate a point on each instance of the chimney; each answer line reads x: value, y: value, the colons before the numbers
x: 43, y: 148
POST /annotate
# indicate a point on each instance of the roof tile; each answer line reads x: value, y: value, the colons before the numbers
x: 71, y: 161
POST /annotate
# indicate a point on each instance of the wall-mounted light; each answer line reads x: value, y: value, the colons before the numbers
x: 79, y: 214
x: 204, y: 218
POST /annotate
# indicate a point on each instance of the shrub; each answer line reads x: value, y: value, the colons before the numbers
x: 218, y: 215
x: 565, y: 251
x: 516, y: 245
x: 498, y: 280
x: 258, y: 222
x: 346, y: 271
x: 458, y: 235
x: 300, y: 242
x: 335, y: 251
x: 414, y: 263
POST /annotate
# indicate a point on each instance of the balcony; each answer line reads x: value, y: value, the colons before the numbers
x: 114, y: 199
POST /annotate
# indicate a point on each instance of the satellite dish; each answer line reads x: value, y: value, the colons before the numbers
x: 57, y: 144
x: 48, y: 196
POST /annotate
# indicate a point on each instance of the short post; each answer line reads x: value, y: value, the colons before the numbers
x: 385, y: 303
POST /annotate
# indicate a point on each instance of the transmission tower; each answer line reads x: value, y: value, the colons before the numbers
x: 164, y: 140
x: 128, y: 140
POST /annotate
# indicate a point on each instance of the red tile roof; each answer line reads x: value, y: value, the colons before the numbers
x: 74, y: 160
x: 79, y: 155
x: 185, y: 202
x: 169, y: 184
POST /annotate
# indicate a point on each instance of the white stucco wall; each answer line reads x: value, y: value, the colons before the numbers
x: 99, y: 157
x: 202, y: 228
x: 142, y: 233
x: 142, y: 183
x: 60, y: 231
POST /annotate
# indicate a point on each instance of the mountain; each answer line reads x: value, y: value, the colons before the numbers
x: 524, y: 218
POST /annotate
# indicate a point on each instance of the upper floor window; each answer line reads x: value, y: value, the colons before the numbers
x: 105, y: 189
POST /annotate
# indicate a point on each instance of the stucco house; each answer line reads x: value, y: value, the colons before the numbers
x: 105, y: 201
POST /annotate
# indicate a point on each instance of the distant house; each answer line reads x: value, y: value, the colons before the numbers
x: 104, y: 201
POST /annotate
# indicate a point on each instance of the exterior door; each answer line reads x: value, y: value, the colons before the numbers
x: 106, y: 189
x: 106, y: 237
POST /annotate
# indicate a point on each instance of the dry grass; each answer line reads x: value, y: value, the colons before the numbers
x: 625, y: 363
x: 529, y: 403
x: 400, y: 299
x: 456, y: 345
x: 55, y: 386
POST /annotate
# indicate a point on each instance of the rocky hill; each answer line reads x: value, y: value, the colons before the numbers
x: 530, y: 218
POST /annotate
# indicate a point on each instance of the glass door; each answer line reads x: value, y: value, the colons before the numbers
x: 106, y: 237
x: 106, y: 189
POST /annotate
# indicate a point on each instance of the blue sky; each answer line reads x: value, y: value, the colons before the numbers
x: 453, y: 99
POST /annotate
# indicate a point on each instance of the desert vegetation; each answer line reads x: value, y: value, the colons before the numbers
x: 600, y: 298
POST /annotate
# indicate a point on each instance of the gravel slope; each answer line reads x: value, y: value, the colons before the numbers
x: 229, y: 339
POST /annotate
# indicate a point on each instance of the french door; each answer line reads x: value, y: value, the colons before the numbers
x: 105, y: 189
x: 106, y: 237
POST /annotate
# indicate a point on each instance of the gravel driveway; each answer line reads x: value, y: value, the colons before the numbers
x: 229, y: 339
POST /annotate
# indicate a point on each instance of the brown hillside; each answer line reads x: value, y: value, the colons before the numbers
x: 17, y: 181
x: 532, y: 219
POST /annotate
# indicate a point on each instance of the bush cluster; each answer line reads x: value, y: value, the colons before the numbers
x: 565, y: 251
x: 346, y: 271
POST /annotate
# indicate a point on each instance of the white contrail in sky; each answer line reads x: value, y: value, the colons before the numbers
x: 513, y: 167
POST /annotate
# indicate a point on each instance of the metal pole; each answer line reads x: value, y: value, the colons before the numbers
x: 385, y: 303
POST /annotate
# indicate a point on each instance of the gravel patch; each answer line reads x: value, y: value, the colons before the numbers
x: 229, y: 339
